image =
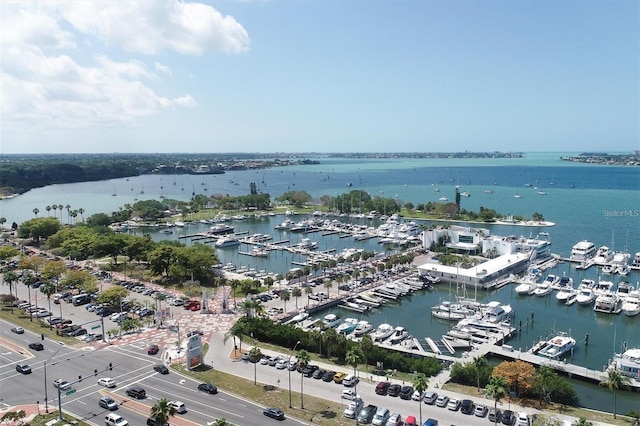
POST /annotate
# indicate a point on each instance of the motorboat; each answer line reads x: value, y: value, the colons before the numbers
x: 223, y: 242
x: 331, y: 321
x: 552, y: 280
x: 609, y: 269
x: 636, y: 260
x: 303, y: 315
x: 399, y: 334
x: 623, y: 270
x: 603, y: 287
x: 564, y: 294
x: 306, y: 244
x: 528, y: 282
x: 347, y: 326
x: 582, y: 251
x: 631, y: 305
x: 495, y: 312
x: 525, y: 289
x: 608, y: 303
x: 558, y: 346
x: 285, y: 225
x: 543, y: 288
x: 220, y: 228
x: 259, y: 251
x: 451, y: 311
x: 383, y: 332
x: 624, y: 290
x: 603, y: 255
x: 362, y: 328
x: 564, y: 283
x: 586, y: 296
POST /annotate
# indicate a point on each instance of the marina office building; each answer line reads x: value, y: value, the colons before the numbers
x: 508, y: 255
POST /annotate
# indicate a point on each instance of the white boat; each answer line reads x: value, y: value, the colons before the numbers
x: 451, y: 311
x: 564, y: 294
x: 528, y: 282
x: 636, y: 260
x: 628, y: 363
x: 571, y: 298
x: 383, y: 332
x: 542, y: 289
x: 331, y: 321
x: 220, y: 228
x: 443, y: 199
x: 623, y: 270
x: 603, y: 255
x: 303, y: 315
x: 586, y: 296
x: 399, y: 334
x: 347, y: 326
x: 223, y: 242
x: 558, y: 346
x: 625, y: 290
x: 582, y: 251
x: 564, y: 283
x: 608, y: 303
x: 259, y: 251
x: 285, y: 225
x: 631, y: 305
x: 362, y: 328
x: 306, y: 244
x: 603, y: 287
x: 609, y: 269
x: 495, y: 312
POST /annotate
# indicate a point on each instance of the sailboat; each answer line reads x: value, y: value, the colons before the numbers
x: 114, y: 191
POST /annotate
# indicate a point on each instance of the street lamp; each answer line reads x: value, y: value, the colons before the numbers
x: 46, y: 396
x: 289, y: 368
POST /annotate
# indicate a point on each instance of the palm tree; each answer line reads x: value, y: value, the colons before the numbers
x: 221, y: 422
x: 296, y: 292
x: 420, y: 384
x: 255, y: 354
x: 36, y: 211
x: 367, y: 346
x: 68, y: 207
x: 48, y: 289
x: 308, y: 291
x: 353, y: 357
x: 330, y: 338
x: 162, y: 410
x: 328, y: 285
x: 60, y: 207
x: 285, y: 297
x: 479, y: 362
x: 614, y: 381
x: 303, y: 360
x: 10, y: 277
x: 48, y: 209
x: 55, y: 208
x: 496, y: 390
x: 237, y: 331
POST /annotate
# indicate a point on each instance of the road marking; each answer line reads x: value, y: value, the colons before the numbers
x: 183, y: 381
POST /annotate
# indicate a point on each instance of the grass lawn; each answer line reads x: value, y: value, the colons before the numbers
x: 38, y: 325
x: 42, y: 419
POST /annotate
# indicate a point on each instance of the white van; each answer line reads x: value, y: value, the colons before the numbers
x: 350, y: 380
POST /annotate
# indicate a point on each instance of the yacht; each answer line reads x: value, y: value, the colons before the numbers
x: 586, y: 296
x: 582, y: 251
x: 564, y: 294
x: 543, y: 288
x: 223, y: 242
x: 347, y: 326
x: 603, y: 287
x: 609, y: 269
x: 399, y: 334
x: 495, y: 312
x: 306, y: 244
x: 624, y: 290
x: 528, y: 282
x: 362, y: 328
x: 631, y: 305
x: 608, y: 303
x: 628, y: 363
x: 451, y: 311
x: 285, y: 225
x: 259, y: 251
x: 330, y: 321
x: 558, y: 346
x: 603, y: 255
x: 623, y: 270
x: 220, y: 228
x: 383, y: 332
x: 636, y: 260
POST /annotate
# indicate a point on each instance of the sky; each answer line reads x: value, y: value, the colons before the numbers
x: 319, y: 76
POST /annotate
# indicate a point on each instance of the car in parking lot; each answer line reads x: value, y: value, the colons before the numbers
x: 162, y: 369
x: 208, y: 388
x: 318, y: 373
x: 309, y: 370
x: 508, y: 417
x: 495, y: 415
x: 442, y: 400
x: 282, y: 364
x: 417, y: 396
x: 467, y: 406
x: 365, y: 415
x: 381, y: 416
x: 406, y: 392
x: 352, y: 409
x: 274, y: 413
x: 23, y: 368
x: 339, y: 377
x: 480, y: 411
x: 350, y: 395
x: 179, y: 406
x: 78, y: 332
x: 382, y: 387
x: 107, y: 382
x: 108, y: 403
x: 430, y: 422
x: 265, y: 360
x: 328, y: 376
x: 36, y: 346
x: 18, y: 330
x: 430, y: 397
x: 394, y: 389
x: 453, y: 404
x: 523, y: 419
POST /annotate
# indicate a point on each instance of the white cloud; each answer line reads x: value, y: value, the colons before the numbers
x: 55, y: 71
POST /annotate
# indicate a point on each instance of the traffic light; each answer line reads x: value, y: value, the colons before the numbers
x: 95, y: 372
x: 110, y: 367
x: 79, y: 378
x: 42, y: 336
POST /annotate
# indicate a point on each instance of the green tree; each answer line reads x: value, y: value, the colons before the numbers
x: 614, y: 381
x: 420, y: 384
x: 10, y: 277
x: 497, y: 389
x: 285, y: 296
x: 353, y: 357
x: 162, y: 410
x: 296, y: 292
x: 48, y: 289
x: 237, y: 331
x: 303, y: 360
x: 254, y: 355
x: 366, y: 346
x: 479, y: 363
x: 113, y: 296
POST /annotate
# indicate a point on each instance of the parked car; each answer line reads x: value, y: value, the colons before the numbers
x: 495, y: 415
x: 352, y: 409
x: 208, y: 388
x: 328, y: 376
x: 381, y: 416
x: 339, y: 377
x: 430, y: 397
x: 481, y: 410
x: 274, y: 413
x: 442, y: 401
x: 394, y: 389
x: 382, y: 387
x: 23, y: 368
x: 406, y: 392
x: 108, y: 403
x: 508, y: 417
x: 318, y: 373
x: 365, y: 415
x: 350, y: 395
x: 410, y: 421
x: 395, y: 420
x: 78, y: 332
x: 431, y: 422
x: 18, y: 330
x: 523, y: 419
x: 350, y: 380
x: 467, y: 406
x: 417, y: 396
x: 453, y: 404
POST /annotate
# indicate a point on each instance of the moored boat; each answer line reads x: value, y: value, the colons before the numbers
x: 362, y: 328
x: 383, y: 332
x: 558, y: 346
x: 227, y: 242
x: 582, y: 251
x: 631, y: 306
x: 608, y: 303
x: 347, y: 326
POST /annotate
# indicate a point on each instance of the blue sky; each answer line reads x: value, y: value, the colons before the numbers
x: 324, y: 76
